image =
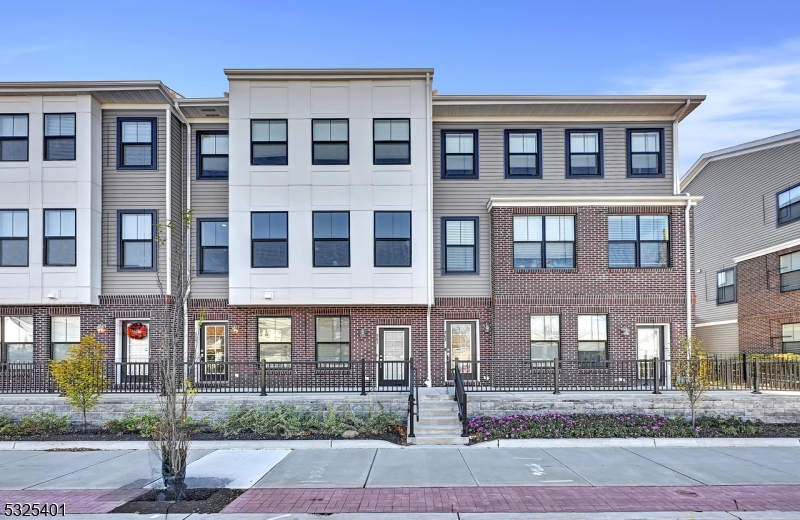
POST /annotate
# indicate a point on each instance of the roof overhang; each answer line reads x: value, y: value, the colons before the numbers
x: 741, y: 149
x: 205, y: 108
x: 550, y: 201
x: 768, y: 250
x: 119, y: 92
x: 326, y: 74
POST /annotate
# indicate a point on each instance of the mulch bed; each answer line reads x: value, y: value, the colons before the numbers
x: 202, y: 500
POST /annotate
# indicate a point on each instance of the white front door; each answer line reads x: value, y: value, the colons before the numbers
x: 393, y: 353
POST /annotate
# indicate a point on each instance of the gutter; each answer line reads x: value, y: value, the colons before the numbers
x: 169, y: 200
x: 676, y: 182
x: 687, y: 236
x: 429, y: 186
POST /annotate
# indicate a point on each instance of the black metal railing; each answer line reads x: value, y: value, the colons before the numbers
x: 413, y: 398
x: 461, y: 398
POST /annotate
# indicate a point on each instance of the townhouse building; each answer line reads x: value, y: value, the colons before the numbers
x: 339, y: 215
x: 748, y: 246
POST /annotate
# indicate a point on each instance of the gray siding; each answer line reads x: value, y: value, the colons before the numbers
x: 453, y: 197
x: 178, y: 191
x: 722, y: 340
x: 738, y: 215
x: 126, y: 189
x: 209, y: 200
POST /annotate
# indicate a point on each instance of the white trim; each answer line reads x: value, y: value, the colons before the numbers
x: 168, y: 170
x: 715, y: 323
x: 768, y: 250
x: 135, y: 106
x: 548, y: 119
x: 477, y: 347
x: 550, y: 201
x: 206, y: 120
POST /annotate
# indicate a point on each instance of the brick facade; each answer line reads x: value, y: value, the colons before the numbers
x: 763, y: 308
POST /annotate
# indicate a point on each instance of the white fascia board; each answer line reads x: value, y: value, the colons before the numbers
x: 549, y: 201
x: 135, y: 106
x: 549, y: 119
x: 207, y: 120
x: 715, y: 323
x: 768, y: 250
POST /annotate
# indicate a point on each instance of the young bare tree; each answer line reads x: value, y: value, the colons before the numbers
x: 692, y: 372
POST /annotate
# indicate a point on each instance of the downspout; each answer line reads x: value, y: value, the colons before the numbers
x: 675, y: 155
x: 687, y: 225
x: 169, y: 201
x: 429, y: 185
x: 188, y: 248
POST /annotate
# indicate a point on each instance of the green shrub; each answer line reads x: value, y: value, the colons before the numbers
x: 144, y: 424
x: 40, y: 423
x: 732, y: 426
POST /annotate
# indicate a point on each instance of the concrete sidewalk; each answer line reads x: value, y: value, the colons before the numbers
x: 645, y: 515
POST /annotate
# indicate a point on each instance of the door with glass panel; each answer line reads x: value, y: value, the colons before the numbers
x: 393, y: 355
x: 213, y: 352
x: 135, y: 356
x: 649, y: 344
x: 461, y: 348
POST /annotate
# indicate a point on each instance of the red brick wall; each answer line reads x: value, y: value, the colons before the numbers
x: 763, y: 308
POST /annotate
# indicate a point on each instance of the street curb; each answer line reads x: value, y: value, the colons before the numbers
x: 201, y: 445
x: 642, y: 443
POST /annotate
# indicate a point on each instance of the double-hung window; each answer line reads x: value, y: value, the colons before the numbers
x: 17, y: 339
x: 65, y: 331
x: 330, y: 141
x: 789, y: 205
x: 459, y: 154
x: 584, y: 153
x: 592, y: 338
x: 275, y: 341
x: 638, y: 241
x: 212, y: 155
x: 269, y: 142
x: 13, y: 137
x: 270, y: 236
x: 460, y: 245
x: 331, y: 239
x: 791, y: 338
x: 59, y: 137
x: 213, y: 241
x: 13, y: 238
x: 136, y: 143
x: 333, y: 341
x: 790, y: 272
x: 545, y: 337
x: 726, y: 286
x: 645, y: 157
x: 392, y: 141
x: 59, y: 237
x: 136, y: 249
x: 544, y: 242
x: 522, y: 153
x: 392, y: 239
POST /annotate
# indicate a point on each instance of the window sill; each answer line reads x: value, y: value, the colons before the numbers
x: 646, y: 176
x: 641, y: 269
x: 547, y: 270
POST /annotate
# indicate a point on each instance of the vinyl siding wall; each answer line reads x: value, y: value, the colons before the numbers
x: 722, y: 340
x: 178, y: 192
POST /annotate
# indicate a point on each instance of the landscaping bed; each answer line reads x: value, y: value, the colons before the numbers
x: 203, y: 500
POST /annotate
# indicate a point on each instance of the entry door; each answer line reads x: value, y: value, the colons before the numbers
x: 392, y: 353
x: 461, y: 348
x: 135, y: 350
x: 213, y: 350
x: 649, y: 344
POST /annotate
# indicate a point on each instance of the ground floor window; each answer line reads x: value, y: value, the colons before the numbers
x: 17, y: 339
x: 545, y: 337
x: 275, y: 341
x: 791, y: 338
x: 592, y: 338
x: 65, y: 331
x: 333, y: 341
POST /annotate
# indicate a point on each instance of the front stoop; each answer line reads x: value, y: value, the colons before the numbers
x: 438, y: 422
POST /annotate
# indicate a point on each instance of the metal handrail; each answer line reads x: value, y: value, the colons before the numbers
x: 461, y: 399
x: 411, y: 398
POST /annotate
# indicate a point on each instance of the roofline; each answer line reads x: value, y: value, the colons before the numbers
x: 44, y: 87
x: 740, y: 149
x: 203, y: 102
x: 285, y: 74
x: 768, y: 250
x: 571, y: 200
x: 458, y: 99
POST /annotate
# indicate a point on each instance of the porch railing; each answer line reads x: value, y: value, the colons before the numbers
x: 461, y: 399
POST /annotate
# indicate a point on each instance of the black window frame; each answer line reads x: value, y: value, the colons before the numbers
x: 721, y: 300
x: 508, y: 154
x: 544, y: 243
x: 27, y: 238
x: 66, y: 339
x: 795, y: 350
x: 46, y: 239
x: 606, y: 351
x: 47, y: 138
x: 4, y: 362
x: 199, y: 155
x: 314, y: 240
x: 475, y: 154
x: 793, y: 209
x: 253, y: 143
x: 475, y: 246
x: 375, y: 142
x: 314, y: 160
x: 792, y: 285
x: 637, y: 243
x: 279, y: 365
x: 393, y: 239
x: 120, y: 242
x: 662, y: 161
x: 600, y: 158
x: 153, y: 143
x: 328, y: 365
x: 275, y: 240
x: 201, y: 247
x: 18, y: 138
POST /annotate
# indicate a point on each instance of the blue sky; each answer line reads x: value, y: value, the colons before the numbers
x: 744, y: 55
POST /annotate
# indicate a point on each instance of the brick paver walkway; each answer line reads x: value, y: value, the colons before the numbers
x: 518, y: 499
x: 75, y: 500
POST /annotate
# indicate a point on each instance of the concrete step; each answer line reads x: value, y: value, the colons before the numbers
x: 433, y: 429
x: 438, y: 440
x: 450, y: 420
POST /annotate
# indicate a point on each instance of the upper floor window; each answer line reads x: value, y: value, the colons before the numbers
x: 333, y: 341
x: 136, y: 143
x: 789, y: 205
x: 16, y: 333
x: 213, y: 239
x: 638, y: 241
x: 270, y: 236
x: 545, y: 337
x: 544, y: 242
x: 522, y: 153
x: 330, y: 141
x: 275, y: 341
x: 645, y: 157
x: 14, y: 137
x: 212, y: 156
x: 726, y: 285
x: 392, y: 141
x: 331, y: 239
x: 584, y: 153
x: 460, y: 154
x: 59, y: 237
x: 790, y: 272
x: 392, y: 239
x: 13, y: 238
x: 65, y: 331
x: 592, y: 338
x: 59, y: 137
x: 460, y: 245
x: 791, y: 338
x: 269, y: 142
x: 136, y: 248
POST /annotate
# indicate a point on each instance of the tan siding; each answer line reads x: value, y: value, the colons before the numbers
x: 469, y: 197
x: 722, y: 340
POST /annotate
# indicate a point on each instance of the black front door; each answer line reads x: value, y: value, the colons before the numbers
x: 393, y: 348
